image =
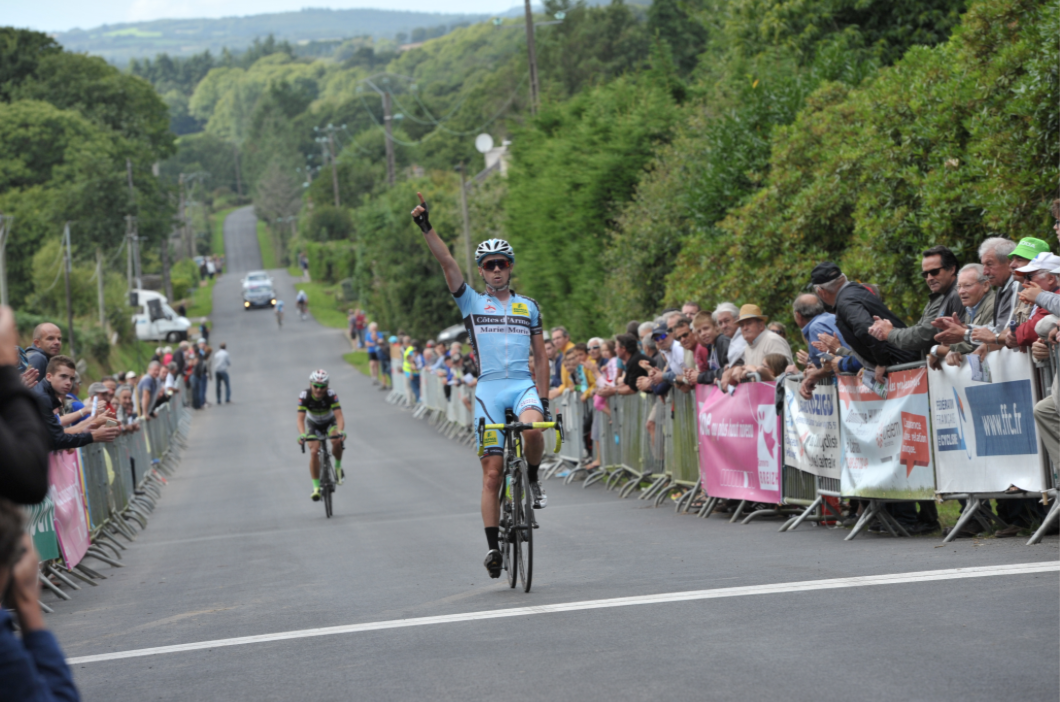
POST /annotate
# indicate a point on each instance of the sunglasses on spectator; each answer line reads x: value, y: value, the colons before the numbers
x: 497, y: 264
x: 683, y: 336
x: 933, y: 273
x: 658, y: 337
x: 593, y: 348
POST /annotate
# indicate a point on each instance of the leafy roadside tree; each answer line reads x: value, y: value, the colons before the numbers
x: 397, y: 278
x: 572, y: 169
x: 948, y: 146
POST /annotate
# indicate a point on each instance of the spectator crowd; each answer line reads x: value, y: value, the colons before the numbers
x: 1008, y: 298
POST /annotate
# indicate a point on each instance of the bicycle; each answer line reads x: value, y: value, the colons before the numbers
x: 517, y: 503
x: 302, y: 310
x: 327, y: 473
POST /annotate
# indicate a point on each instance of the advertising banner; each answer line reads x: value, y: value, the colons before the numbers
x: 740, y: 442
x: 811, y: 430
x: 40, y: 523
x: 71, y: 519
x: 885, y: 442
x: 983, y: 418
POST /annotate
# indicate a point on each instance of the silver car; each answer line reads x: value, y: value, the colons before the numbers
x: 258, y: 295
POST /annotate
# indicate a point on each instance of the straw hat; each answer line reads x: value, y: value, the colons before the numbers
x: 751, y: 312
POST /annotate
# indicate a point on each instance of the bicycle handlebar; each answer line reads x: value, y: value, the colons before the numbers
x: 321, y: 437
x: 520, y: 427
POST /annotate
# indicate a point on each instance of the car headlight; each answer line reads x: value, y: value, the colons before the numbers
x: 246, y: 304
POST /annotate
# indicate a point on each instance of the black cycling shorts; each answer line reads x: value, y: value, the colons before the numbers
x: 312, y: 427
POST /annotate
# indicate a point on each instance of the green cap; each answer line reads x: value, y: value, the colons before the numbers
x: 1029, y: 247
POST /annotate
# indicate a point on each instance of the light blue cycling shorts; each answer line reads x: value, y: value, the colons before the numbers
x: 492, y: 397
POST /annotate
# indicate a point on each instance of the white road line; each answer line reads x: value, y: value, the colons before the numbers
x: 718, y: 593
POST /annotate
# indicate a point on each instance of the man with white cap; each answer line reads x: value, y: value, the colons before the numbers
x: 1038, y: 277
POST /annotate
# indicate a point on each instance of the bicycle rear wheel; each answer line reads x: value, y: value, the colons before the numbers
x: 525, y: 538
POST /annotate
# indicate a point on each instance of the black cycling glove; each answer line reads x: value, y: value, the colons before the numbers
x: 544, y: 405
x: 425, y: 224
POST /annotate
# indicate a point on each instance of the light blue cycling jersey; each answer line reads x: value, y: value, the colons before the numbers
x: 279, y: 305
x: 499, y: 332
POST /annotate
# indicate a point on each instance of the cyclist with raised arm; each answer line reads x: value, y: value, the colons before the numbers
x: 319, y: 412
x: 302, y: 302
x: 503, y: 328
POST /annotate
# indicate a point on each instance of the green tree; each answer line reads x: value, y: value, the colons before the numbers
x: 572, y: 169
x: 948, y: 146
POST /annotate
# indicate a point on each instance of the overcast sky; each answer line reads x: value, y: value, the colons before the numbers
x: 63, y: 15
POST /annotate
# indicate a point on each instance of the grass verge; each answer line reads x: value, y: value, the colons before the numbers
x: 325, y: 303
x: 202, y: 299
x: 268, y: 252
x: 358, y: 359
x: 217, y: 242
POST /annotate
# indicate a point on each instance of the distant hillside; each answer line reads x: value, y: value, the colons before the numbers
x: 120, y: 42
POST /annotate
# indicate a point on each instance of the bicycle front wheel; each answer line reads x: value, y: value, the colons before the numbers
x: 525, y: 528
x: 510, y: 513
x: 327, y: 484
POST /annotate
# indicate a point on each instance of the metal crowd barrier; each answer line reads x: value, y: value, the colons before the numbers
x: 121, y: 481
x: 668, y: 459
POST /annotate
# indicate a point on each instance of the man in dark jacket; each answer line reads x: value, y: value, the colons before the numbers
x: 939, y: 270
x: 23, y: 436
x: 59, y: 380
x: 47, y: 342
x: 856, y: 310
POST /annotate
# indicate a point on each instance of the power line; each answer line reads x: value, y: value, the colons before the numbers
x: 441, y: 127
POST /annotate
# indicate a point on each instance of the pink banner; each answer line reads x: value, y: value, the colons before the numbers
x: 740, y: 442
x: 71, y: 519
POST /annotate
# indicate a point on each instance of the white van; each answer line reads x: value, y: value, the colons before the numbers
x: 155, y: 320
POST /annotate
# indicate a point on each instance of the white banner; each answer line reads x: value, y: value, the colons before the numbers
x: 984, y: 434
x: 886, y: 443
x: 811, y: 430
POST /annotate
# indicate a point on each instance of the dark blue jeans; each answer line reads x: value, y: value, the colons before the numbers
x: 219, y: 377
x: 203, y: 384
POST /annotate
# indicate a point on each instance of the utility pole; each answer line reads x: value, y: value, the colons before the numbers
x: 167, y: 283
x: 134, y: 237
x: 69, y: 307
x: 239, y: 179
x: 334, y: 165
x: 327, y: 150
x: 182, y: 209
x: 128, y: 251
x: 532, y: 54
x: 136, y: 255
x: 388, y: 120
x: 99, y: 289
x: 467, y: 224
x: 5, y: 227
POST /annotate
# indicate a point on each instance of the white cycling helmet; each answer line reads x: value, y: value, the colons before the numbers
x: 319, y: 376
x: 494, y: 246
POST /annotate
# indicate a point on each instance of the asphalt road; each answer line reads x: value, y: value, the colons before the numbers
x: 236, y: 549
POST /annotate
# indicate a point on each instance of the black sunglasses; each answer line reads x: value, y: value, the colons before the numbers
x: 931, y: 273
x: 497, y: 264
x: 682, y: 337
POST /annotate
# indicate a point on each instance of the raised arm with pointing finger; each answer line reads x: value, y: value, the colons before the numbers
x: 453, y: 277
